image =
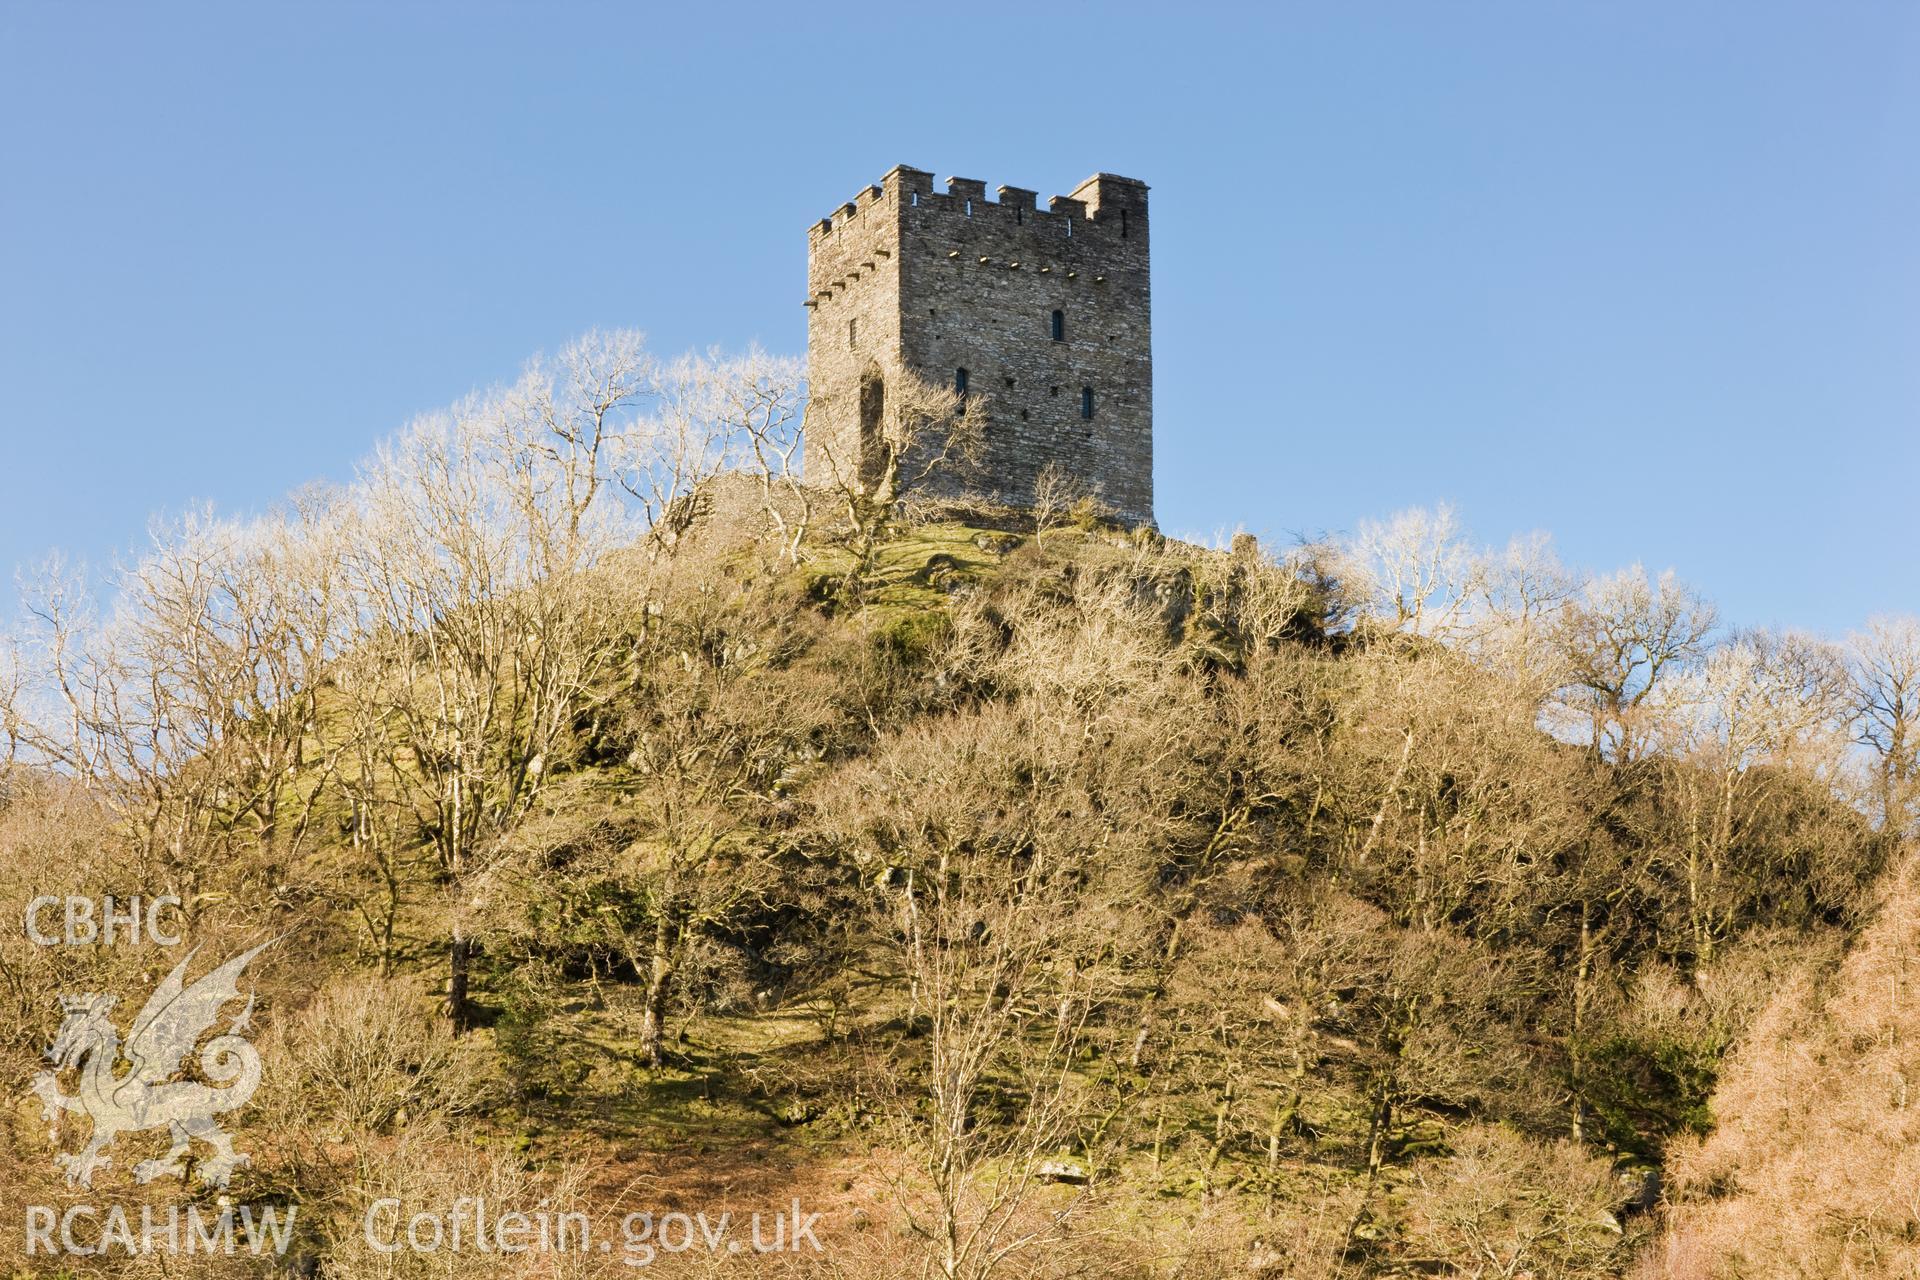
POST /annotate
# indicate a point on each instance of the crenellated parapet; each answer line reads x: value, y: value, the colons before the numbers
x: 1103, y: 203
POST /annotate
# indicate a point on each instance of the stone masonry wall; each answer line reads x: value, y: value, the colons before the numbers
x: 853, y: 326
x: 942, y: 281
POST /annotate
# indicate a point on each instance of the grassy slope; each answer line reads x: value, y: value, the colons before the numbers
x: 753, y: 1104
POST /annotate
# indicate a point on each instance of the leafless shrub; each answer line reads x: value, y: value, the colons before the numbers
x: 1502, y: 1205
x: 432, y: 1175
x: 367, y: 1056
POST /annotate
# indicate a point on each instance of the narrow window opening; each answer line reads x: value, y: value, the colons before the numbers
x: 916, y: 200
x: 969, y: 208
x: 1123, y: 224
x: 1069, y: 226
x: 1059, y: 326
x: 1086, y: 402
x: 1053, y: 391
x: 853, y: 330
x: 1009, y: 384
x: 960, y: 381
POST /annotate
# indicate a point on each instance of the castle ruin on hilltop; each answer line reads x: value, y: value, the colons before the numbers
x: 1043, y: 312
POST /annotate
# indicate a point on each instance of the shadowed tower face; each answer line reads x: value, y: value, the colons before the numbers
x: 1043, y: 313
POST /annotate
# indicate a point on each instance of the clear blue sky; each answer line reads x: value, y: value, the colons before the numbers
x: 1645, y: 275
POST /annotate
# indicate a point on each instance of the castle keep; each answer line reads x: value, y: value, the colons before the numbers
x: 1043, y: 312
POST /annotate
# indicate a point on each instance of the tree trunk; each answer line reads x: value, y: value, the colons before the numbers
x: 459, y: 960
x: 1376, y: 1157
x: 1582, y: 973
x: 653, y: 1021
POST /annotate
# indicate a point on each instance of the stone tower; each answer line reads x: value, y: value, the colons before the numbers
x: 1043, y: 312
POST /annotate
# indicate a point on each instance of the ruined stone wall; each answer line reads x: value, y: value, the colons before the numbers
x: 942, y: 281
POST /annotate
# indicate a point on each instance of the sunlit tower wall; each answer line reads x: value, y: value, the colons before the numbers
x: 1045, y: 314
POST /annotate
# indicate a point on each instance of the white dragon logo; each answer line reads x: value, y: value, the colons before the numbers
x: 170, y: 1024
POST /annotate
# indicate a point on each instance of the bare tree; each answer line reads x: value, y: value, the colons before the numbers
x: 1516, y: 625
x: 605, y: 414
x: 1760, y: 712
x: 1060, y: 497
x: 767, y: 399
x: 13, y: 709
x: 1884, y: 662
x: 251, y: 615
x: 68, y: 699
x: 1421, y: 575
x: 992, y: 929
x: 575, y: 413
x: 473, y: 568
x: 1621, y: 638
x: 715, y: 741
x: 164, y: 705
x: 688, y: 435
x: 924, y: 430
x: 1008, y: 845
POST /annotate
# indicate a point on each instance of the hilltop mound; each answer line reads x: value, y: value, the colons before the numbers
x: 982, y: 886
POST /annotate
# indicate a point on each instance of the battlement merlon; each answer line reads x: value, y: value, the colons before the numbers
x: 1108, y: 196
x: 903, y: 181
x: 967, y: 189
x: 1018, y: 198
